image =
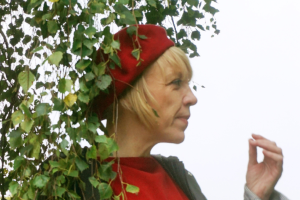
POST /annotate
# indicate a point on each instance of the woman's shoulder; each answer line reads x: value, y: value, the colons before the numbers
x: 183, y: 178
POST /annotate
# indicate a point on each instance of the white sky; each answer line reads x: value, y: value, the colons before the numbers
x: 252, y: 85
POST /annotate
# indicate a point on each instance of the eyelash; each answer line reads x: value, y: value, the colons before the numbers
x: 177, y: 82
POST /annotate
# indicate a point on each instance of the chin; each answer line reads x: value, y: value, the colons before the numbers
x: 176, y: 138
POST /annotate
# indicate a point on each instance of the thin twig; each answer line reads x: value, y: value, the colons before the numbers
x: 174, y: 29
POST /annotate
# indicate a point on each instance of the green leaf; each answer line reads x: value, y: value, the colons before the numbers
x: 64, y: 85
x: 17, y: 117
x: 110, y: 18
x: 101, y: 139
x: 94, y: 91
x: 70, y: 99
x: 52, y: 27
x: 97, y: 7
x: 116, y: 59
x: 81, y: 164
x: 27, y: 172
x: 143, y: 37
x: 89, y: 76
x: 15, y: 140
x: 124, y: 1
x: 152, y: 3
x: 13, y: 187
x: 106, y: 172
x: 58, y: 104
x: 103, y: 151
x: 73, y: 195
x: 127, y: 18
x: 82, y: 86
x: 92, y: 153
x: 94, y: 181
x: 64, y: 144
x: 26, y: 125
x: 103, y: 81
x: 47, y: 16
x: 19, y: 161
x: 36, y: 150
x: 25, y: 150
x: 208, y: 8
x: 132, y: 189
x: 54, y: 164
x: 55, y: 58
x: 89, y: 43
x: 195, y: 87
x: 76, y: 45
x: 90, y: 31
x: 40, y: 181
x: 59, y: 191
x: 24, y: 108
x: 42, y: 109
x: 115, y: 44
x: 92, y: 127
x: 195, y: 35
x: 61, y: 179
x: 155, y: 112
x: 37, y: 49
x: 131, y: 30
x: 82, y: 64
x: 112, y: 145
x: 26, y: 79
x: 193, y: 2
x: 105, y: 190
x: 31, y: 192
x: 136, y: 53
x: 99, y: 69
x: 181, y: 34
x: 200, y: 27
x: 73, y: 173
x: 137, y: 13
x: 85, y: 98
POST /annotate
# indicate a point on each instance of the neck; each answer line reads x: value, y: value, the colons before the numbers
x: 133, y: 138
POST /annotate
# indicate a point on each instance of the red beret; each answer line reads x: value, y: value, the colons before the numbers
x: 153, y: 46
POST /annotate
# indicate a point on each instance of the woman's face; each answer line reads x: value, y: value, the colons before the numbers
x: 174, y: 98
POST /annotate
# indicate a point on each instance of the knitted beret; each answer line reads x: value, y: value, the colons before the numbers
x: 152, y: 46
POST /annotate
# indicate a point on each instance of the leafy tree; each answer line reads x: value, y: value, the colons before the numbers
x: 48, y: 80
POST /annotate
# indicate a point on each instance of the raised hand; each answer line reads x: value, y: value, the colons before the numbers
x: 262, y: 177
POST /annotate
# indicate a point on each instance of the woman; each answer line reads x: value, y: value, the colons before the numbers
x: 149, y: 103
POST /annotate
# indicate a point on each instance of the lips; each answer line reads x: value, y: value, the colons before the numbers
x: 184, y: 118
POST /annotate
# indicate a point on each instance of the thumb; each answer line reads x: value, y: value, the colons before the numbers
x: 252, y: 153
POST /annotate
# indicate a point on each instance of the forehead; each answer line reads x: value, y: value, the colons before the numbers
x: 172, y: 64
x: 175, y: 67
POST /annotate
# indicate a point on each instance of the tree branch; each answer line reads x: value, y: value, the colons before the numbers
x: 6, y: 44
x: 174, y: 29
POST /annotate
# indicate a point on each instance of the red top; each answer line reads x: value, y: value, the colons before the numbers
x: 151, y: 178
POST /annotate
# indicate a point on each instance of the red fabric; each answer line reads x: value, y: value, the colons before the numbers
x: 154, y: 46
x: 146, y: 173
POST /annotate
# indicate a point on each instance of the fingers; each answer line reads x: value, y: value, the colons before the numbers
x: 278, y: 158
x: 274, y: 156
x: 255, y: 136
x: 252, y: 153
x: 266, y: 144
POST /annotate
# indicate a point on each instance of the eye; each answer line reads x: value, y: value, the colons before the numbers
x: 177, y: 82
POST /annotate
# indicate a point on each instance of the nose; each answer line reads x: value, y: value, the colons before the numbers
x: 189, y: 99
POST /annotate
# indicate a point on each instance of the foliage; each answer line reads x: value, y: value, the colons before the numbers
x: 48, y: 80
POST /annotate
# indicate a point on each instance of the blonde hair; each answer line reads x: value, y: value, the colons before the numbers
x: 136, y: 98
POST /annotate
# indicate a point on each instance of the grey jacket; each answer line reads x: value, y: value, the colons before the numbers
x: 183, y: 178
x: 186, y: 181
